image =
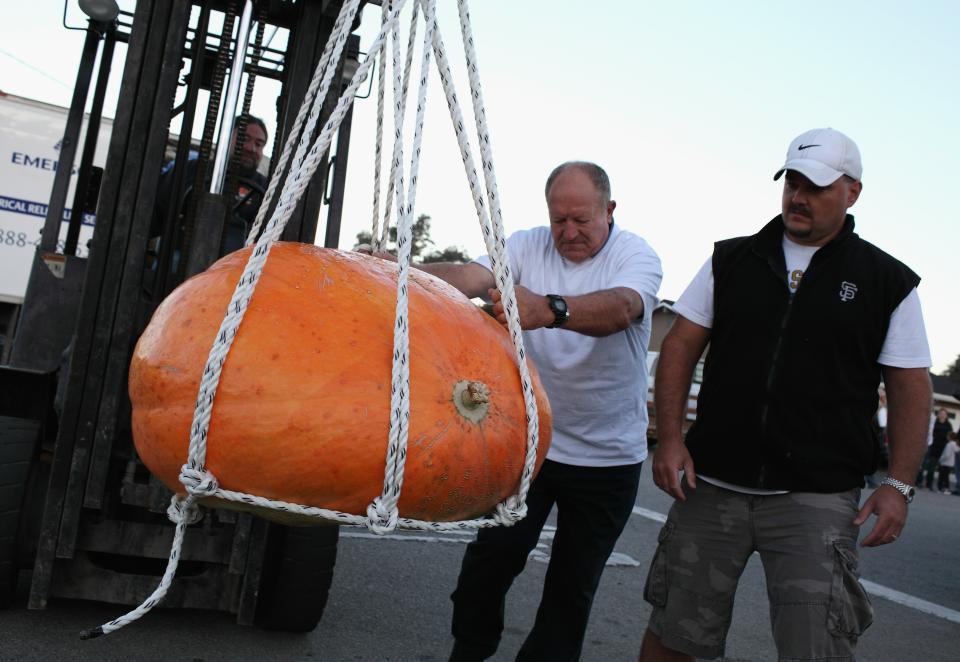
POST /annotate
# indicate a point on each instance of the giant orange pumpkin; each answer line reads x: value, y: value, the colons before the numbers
x: 302, y: 411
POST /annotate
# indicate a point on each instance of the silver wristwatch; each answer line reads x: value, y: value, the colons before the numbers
x: 906, y: 490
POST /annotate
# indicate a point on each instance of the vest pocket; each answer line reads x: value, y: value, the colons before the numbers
x: 849, y: 613
x: 656, y: 588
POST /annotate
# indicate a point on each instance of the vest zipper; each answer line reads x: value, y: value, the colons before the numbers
x: 768, y: 387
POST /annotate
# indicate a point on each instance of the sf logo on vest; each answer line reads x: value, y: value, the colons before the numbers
x: 848, y: 290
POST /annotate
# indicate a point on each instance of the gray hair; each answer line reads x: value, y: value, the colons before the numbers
x: 596, y: 174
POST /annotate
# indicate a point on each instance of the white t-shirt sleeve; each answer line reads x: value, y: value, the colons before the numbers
x: 696, y: 302
x: 639, y: 269
x: 906, y: 343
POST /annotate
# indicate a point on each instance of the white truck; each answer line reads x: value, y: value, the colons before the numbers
x: 691, y: 415
x: 31, y: 133
x: 30, y: 136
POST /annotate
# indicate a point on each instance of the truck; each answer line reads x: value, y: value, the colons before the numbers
x: 31, y: 137
x: 80, y: 516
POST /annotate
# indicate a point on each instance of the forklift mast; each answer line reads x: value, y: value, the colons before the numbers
x: 92, y: 519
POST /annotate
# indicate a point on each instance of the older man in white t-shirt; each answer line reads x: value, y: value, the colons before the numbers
x: 585, y: 291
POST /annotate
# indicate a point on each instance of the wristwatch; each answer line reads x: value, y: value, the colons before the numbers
x: 558, y: 306
x: 906, y: 490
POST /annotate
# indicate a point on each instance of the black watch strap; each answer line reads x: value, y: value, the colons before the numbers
x: 558, y: 306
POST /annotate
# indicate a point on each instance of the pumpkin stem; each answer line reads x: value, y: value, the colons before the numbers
x: 472, y: 400
x: 476, y: 394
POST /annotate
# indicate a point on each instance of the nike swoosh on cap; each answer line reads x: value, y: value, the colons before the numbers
x: 803, y: 147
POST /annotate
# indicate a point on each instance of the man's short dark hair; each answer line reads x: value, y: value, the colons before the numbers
x: 252, y: 119
x: 596, y: 174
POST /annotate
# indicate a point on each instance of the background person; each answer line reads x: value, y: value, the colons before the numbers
x: 880, y: 425
x: 252, y: 184
x: 948, y: 464
x: 802, y: 320
x: 939, y: 435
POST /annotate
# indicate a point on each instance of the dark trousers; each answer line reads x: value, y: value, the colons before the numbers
x: 593, y: 506
x: 943, y: 478
x: 929, y: 466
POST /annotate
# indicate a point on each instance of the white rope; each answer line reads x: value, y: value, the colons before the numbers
x: 382, y: 514
x: 293, y: 189
x: 376, y: 244
x: 312, y: 103
x: 497, y: 245
x: 381, y: 242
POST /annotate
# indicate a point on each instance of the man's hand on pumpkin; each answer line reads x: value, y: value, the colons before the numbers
x: 534, y: 309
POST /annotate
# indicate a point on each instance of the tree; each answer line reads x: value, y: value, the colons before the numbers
x: 953, y: 371
x: 421, y: 241
x: 448, y: 254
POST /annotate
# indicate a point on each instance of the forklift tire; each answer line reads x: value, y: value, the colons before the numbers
x: 296, y: 576
x: 18, y: 442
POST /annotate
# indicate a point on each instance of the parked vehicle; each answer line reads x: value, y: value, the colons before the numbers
x: 31, y: 136
x: 652, y: 360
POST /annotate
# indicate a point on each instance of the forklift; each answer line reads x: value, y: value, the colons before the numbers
x: 80, y: 515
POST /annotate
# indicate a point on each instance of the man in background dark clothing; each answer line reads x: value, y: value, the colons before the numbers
x: 252, y: 184
x: 941, y: 434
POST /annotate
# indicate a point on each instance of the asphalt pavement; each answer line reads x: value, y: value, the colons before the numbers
x: 390, y: 603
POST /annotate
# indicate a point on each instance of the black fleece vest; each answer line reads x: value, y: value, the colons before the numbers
x: 790, y: 383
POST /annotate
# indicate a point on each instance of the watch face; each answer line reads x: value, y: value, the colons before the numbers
x: 559, y: 309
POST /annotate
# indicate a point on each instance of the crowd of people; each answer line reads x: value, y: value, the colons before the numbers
x: 803, y: 320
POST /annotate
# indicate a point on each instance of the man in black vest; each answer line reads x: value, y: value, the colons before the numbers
x: 803, y: 320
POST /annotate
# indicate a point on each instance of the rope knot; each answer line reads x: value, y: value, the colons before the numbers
x: 381, y: 520
x: 508, y: 514
x: 184, y: 509
x: 198, y: 483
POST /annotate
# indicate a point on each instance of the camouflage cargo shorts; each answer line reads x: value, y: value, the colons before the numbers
x: 807, y: 544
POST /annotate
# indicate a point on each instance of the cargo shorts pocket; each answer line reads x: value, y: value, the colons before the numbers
x: 849, y: 613
x: 655, y: 590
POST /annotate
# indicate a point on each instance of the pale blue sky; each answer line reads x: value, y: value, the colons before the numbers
x: 688, y: 105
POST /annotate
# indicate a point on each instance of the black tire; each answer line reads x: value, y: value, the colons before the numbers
x: 18, y: 442
x: 296, y: 577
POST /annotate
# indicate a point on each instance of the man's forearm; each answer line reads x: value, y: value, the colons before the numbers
x: 471, y: 279
x: 605, y: 312
x: 679, y: 353
x: 670, y: 403
x: 909, y: 402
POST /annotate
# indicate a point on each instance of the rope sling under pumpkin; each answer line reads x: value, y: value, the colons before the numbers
x: 382, y: 514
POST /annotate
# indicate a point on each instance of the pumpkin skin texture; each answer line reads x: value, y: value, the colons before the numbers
x: 302, y: 410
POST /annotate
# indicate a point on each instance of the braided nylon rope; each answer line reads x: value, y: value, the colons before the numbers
x: 293, y: 188
x: 408, y: 64
x: 383, y: 511
x: 321, y: 78
x: 497, y: 245
x: 382, y: 514
x: 376, y: 245
x: 514, y: 508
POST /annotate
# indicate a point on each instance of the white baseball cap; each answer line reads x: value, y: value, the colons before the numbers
x: 823, y: 156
